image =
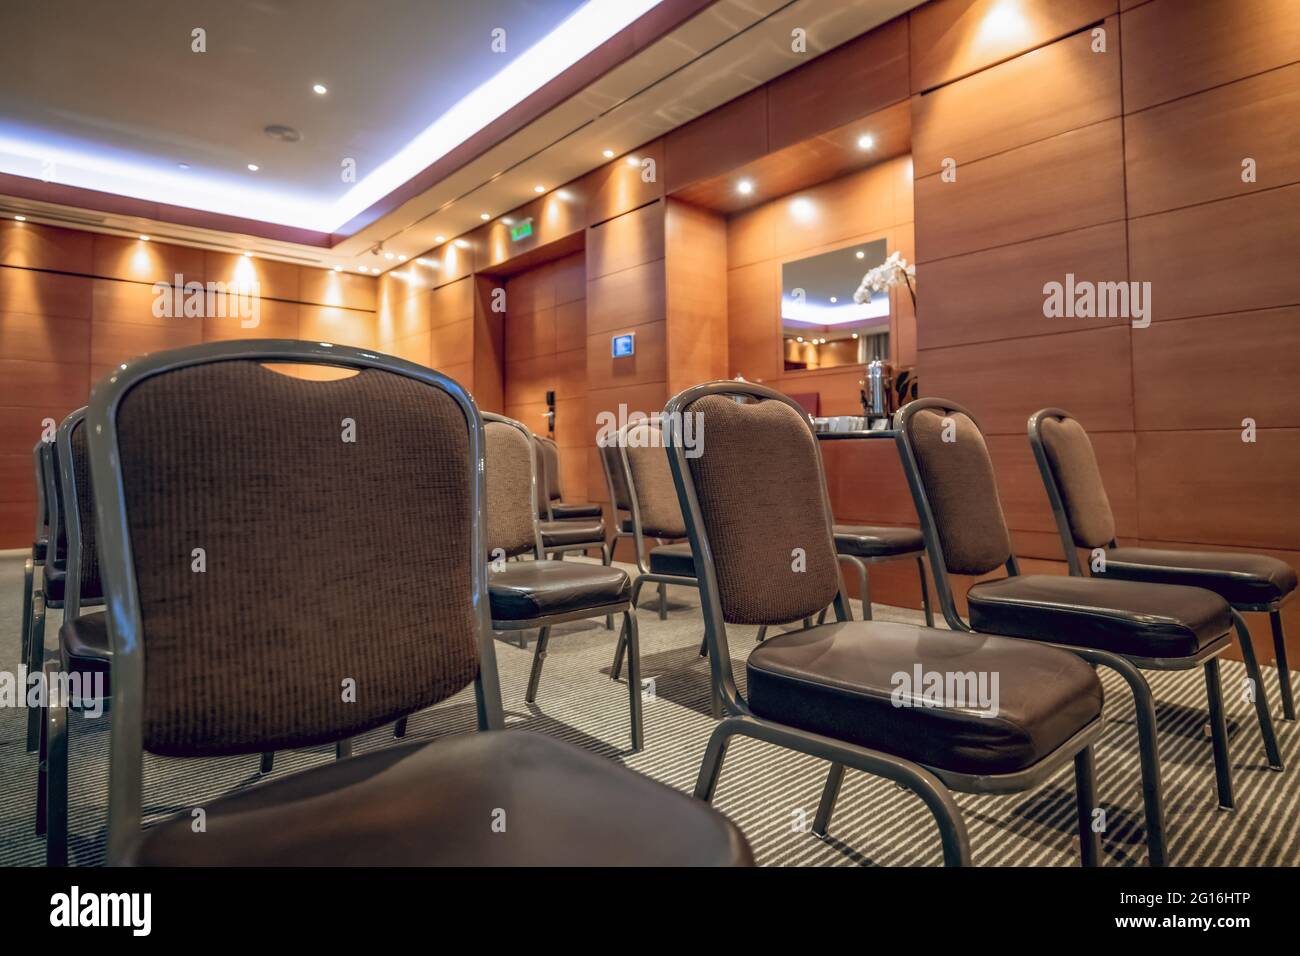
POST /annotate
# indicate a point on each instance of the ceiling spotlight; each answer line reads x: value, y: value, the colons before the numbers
x: 182, y: 165
x: 744, y: 187
x: 20, y: 218
x: 319, y: 89
x: 834, y: 300
x: 362, y: 269
x: 388, y: 255
x: 401, y: 258
x: 798, y: 338
x: 248, y: 255
x: 860, y: 254
x: 253, y: 167
x: 539, y: 189
x: 338, y: 268
x: 461, y: 244
x: 425, y: 262
x: 484, y: 216
x: 439, y: 238
x: 866, y: 141
x: 144, y: 238
x: 633, y: 161
x: 608, y: 154
x: 855, y: 335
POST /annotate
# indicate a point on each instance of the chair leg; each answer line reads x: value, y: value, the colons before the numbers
x: 343, y: 749
x: 1153, y: 792
x: 634, y: 679
x: 399, y: 728
x: 704, y: 646
x: 42, y: 767
x: 35, y: 665
x: 29, y: 578
x: 821, y: 618
x: 925, y: 592
x: 606, y: 557
x: 762, y: 633
x: 268, y: 762
x: 1283, y: 673
x: 663, y: 602
x: 617, y: 669
x: 830, y: 793
x: 1219, y: 733
x: 711, y: 767
x: 1085, y: 789
x: 56, y: 774
x: 1260, y: 693
x: 807, y: 622
x: 539, y: 656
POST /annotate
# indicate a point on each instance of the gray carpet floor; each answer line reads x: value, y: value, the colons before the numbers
x: 770, y: 793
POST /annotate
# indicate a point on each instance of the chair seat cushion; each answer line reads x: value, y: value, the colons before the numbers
x: 436, y: 803
x: 672, y: 559
x: 1126, y: 617
x: 85, y: 642
x: 56, y: 579
x: 572, y: 532
x: 524, y: 590
x: 857, y: 681
x: 1237, y: 578
x: 566, y: 511
x: 38, y: 551
x: 877, y: 542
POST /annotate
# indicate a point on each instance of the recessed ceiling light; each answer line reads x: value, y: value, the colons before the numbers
x: 424, y: 262
x: 248, y: 255
x: 20, y: 218
x: 439, y: 238
x: 484, y: 216
x: 507, y: 220
x: 866, y: 141
x: 834, y: 300
x: 144, y: 238
x: 860, y: 254
x: 338, y: 268
x: 744, y: 187
x: 461, y: 244
x: 798, y: 338
x: 401, y: 258
x: 362, y: 269
x: 855, y: 335
x: 633, y: 161
x: 253, y: 167
x: 320, y: 89
x: 388, y: 255
x: 539, y: 189
x: 608, y: 154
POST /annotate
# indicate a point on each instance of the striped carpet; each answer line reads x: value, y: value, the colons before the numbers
x: 770, y: 793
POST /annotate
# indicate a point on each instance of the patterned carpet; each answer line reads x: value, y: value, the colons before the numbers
x: 770, y: 793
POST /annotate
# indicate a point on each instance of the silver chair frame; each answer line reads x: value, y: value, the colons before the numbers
x: 933, y: 785
x: 118, y: 567
x: 1272, y: 608
x: 31, y: 651
x: 628, y: 633
x: 1127, y: 666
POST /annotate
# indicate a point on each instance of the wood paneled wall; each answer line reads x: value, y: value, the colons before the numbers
x: 1120, y: 164
x: 73, y: 304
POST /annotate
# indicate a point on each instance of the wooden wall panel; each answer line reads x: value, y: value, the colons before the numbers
x: 696, y: 274
x: 1004, y: 382
x: 632, y: 239
x: 1250, y: 356
x: 729, y: 136
x: 873, y: 66
x: 132, y: 260
x: 268, y: 278
x: 1191, y: 150
x: 28, y: 246
x: 1211, y: 487
x: 44, y: 293
x: 1176, y: 47
x: 1046, y: 92
x: 621, y: 186
x: 1220, y: 257
x: 1067, y: 182
x: 953, y: 38
x: 998, y: 293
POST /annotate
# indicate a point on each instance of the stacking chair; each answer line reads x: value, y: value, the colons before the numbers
x: 84, y: 655
x: 1127, y: 626
x: 548, y: 474
x: 377, y: 559
x: 1248, y: 582
x: 766, y: 556
x: 644, y: 484
x: 860, y: 545
x: 542, y: 593
x: 581, y: 527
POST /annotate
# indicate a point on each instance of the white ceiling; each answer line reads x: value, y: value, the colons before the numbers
x: 388, y: 73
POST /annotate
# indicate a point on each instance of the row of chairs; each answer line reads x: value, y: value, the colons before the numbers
x: 404, y: 544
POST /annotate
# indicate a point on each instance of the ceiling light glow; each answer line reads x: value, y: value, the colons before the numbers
x: 744, y: 187
x: 253, y: 167
x: 484, y: 216
x: 608, y: 154
x: 320, y: 89
x: 539, y: 189
x: 144, y: 238
x: 866, y: 141
x: 20, y: 218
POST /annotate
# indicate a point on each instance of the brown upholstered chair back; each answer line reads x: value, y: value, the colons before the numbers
x: 1083, y: 493
x: 656, y: 498
x: 88, y: 553
x: 957, y: 475
x: 763, y: 501
x: 550, y: 465
x: 612, y: 459
x: 336, y: 589
x: 511, y: 527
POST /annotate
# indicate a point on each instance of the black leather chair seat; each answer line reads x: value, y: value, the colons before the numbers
x: 56, y: 579
x: 877, y: 542
x: 572, y: 532
x: 1126, y: 617
x: 673, y: 559
x: 1237, y: 578
x: 432, y: 804
x: 524, y: 590
x: 85, y: 642
x: 841, y: 680
x: 564, y: 511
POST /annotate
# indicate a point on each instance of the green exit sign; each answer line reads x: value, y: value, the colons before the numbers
x: 521, y: 230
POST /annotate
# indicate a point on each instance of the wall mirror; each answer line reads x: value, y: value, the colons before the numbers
x: 821, y: 324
